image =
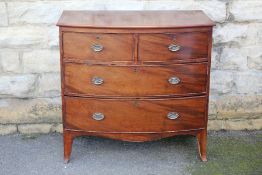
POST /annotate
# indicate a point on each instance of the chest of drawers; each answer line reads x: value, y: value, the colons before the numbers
x: 135, y: 75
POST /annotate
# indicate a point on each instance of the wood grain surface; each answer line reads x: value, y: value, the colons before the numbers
x: 116, y: 47
x: 154, y: 47
x: 134, y: 19
x: 135, y: 115
x: 135, y: 81
x: 135, y: 63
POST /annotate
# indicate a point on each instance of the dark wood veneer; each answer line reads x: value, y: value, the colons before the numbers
x: 117, y: 47
x: 135, y: 81
x: 134, y: 19
x: 135, y: 63
x: 128, y: 116
x: 154, y: 47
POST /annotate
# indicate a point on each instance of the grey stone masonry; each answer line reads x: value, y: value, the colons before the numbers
x: 30, y: 67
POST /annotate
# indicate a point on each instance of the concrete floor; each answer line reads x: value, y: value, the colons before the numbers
x: 228, y: 153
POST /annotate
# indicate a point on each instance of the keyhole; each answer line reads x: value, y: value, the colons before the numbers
x: 135, y: 69
x: 174, y: 39
x: 136, y: 103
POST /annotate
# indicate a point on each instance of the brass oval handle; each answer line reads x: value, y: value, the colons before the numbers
x: 97, y: 80
x: 172, y: 115
x: 98, y: 116
x: 174, y: 80
x: 97, y: 47
x: 174, y: 47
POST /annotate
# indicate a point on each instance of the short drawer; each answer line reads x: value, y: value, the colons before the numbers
x: 173, y: 46
x: 148, y: 115
x: 98, y: 47
x: 179, y: 79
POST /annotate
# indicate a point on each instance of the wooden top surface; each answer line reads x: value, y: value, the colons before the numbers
x: 134, y: 19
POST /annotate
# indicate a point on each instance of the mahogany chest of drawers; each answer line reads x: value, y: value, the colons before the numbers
x: 135, y: 75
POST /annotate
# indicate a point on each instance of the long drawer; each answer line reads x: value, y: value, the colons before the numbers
x: 179, y: 79
x: 148, y: 115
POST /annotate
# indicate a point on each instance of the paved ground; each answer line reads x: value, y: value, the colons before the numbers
x: 228, y: 153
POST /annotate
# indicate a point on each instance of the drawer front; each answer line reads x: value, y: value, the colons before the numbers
x: 135, y: 80
x: 100, y: 47
x: 155, y: 115
x: 172, y: 47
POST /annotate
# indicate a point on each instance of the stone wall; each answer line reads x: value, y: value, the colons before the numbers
x: 29, y: 60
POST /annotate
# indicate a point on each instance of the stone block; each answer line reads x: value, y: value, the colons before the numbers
x: 212, y: 108
x: 246, y: 10
x: 34, y: 128
x: 49, y: 85
x: 119, y: 5
x: 248, y: 82
x: 39, y: 110
x: 221, y: 82
x: 215, y: 125
x: 8, y: 129
x: 17, y: 85
x: 34, y: 12
x: 254, y: 58
x: 230, y: 32
x: 48, y: 12
x: 23, y: 37
x: 245, y: 106
x: 238, y: 34
x: 233, y: 58
x: 252, y: 124
x: 3, y: 14
x: 254, y: 35
x: 216, y: 10
x: 40, y: 61
x: 9, y: 61
x: 215, y: 57
x: 53, y: 37
x: 57, y: 128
